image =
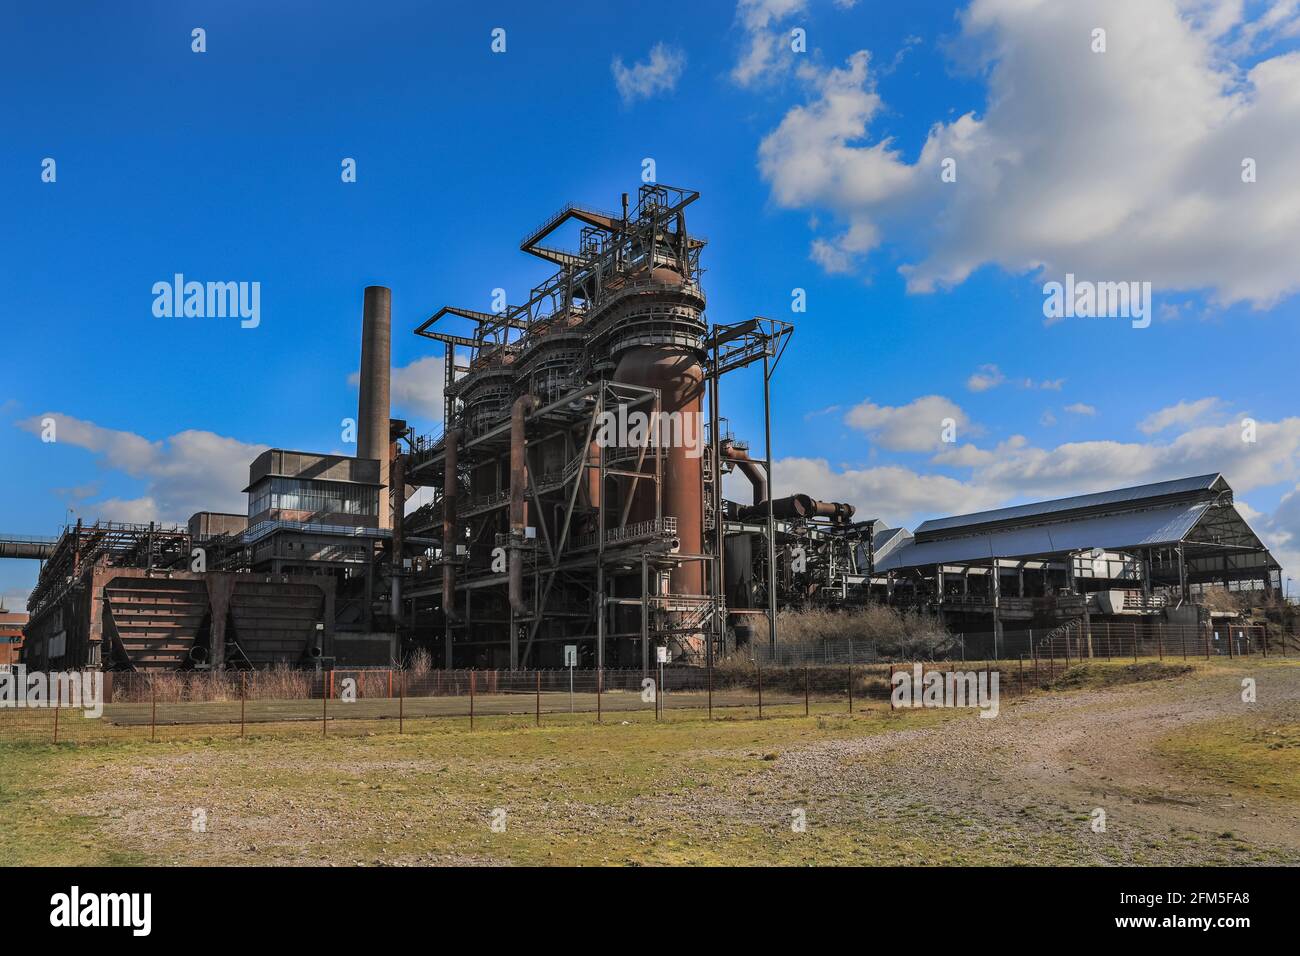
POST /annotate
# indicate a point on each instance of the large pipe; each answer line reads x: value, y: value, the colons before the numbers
x: 518, y: 510
x: 749, y: 468
x: 449, y: 487
x: 376, y: 375
x: 798, y: 506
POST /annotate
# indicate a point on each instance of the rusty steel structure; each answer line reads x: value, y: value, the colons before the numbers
x: 579, y: 470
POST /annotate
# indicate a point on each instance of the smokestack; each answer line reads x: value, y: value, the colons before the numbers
x: 376, y: 372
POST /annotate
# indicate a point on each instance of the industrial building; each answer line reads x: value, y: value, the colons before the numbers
x: 1143, y: 552
x: 11, y: 635
x: 576, y: 499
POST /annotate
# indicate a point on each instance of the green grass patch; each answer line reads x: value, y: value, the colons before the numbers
x: 1243, y: 756
x: 1096, y: 674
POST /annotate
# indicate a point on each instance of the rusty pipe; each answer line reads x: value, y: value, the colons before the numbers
x: 449, y: 488
x: 799, y: 506
x: 749, y: 468
x: 518, y: 510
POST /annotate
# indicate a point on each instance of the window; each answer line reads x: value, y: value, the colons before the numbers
x: 318, y: 497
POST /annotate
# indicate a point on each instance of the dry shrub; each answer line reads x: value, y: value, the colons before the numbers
x: 1220, y: 599
x: 281, y: 682
x: 420, y: 664
x: 886, y: 631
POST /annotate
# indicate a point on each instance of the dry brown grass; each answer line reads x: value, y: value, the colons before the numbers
x: 888, y: 631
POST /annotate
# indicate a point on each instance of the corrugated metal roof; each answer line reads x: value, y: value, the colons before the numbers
x: 1153, y: 526
x: 1118, y: 496
x: 886, y: 541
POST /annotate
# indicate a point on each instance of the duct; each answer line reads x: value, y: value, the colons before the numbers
x: 839, y: 512
x: 375, y: 380
x: 449, y: 488
x: 749, y: 468
x: 798, y: 506
x: 518, y: 510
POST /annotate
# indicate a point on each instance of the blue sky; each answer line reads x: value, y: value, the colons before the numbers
x: 818, y: 170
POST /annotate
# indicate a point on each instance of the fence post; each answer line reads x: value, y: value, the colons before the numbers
x: 153, y: 710
x: 473, y: 687
x: 390, y: 683
x: 850, y: 688
x: 1022, y: 674
x: 325, y: 706
x: 710, y: 690
x: 599, y: 681
x: 539, y: 698
x: 890, y: 687
x: 243, y: 696
x: 805, y: 690
x: 401, y: 701
x: 57, y: 699
x: 759, y: 668
x: 1160, y: 646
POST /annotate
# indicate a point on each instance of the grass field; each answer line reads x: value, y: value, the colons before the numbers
x: 1183, y: 769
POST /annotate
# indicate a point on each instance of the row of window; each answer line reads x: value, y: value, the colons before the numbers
x: 323, y: 497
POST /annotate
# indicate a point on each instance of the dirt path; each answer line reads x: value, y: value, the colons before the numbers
x: 1034, y: 775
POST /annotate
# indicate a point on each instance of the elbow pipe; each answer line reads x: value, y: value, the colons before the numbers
x: 518, y: 510
x: 750, y: 469
x: 449, y: 488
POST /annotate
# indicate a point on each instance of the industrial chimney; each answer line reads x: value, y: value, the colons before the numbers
x: 372, y: 403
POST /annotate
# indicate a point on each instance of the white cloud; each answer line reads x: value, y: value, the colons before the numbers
x: 1079, y: 408
x: 984, y: 378
x: 184, y: 473
x: 415, y: 389
x: 916, y: 426
x: 1183, y: 413
x: 893, y: 493
x: 833, y: 260
x: 658, y: 74
x: 1123, y: 165
x: 1280, y: 531
x: 766, y: 50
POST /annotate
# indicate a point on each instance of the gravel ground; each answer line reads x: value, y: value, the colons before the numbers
x: 1018, y: 789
